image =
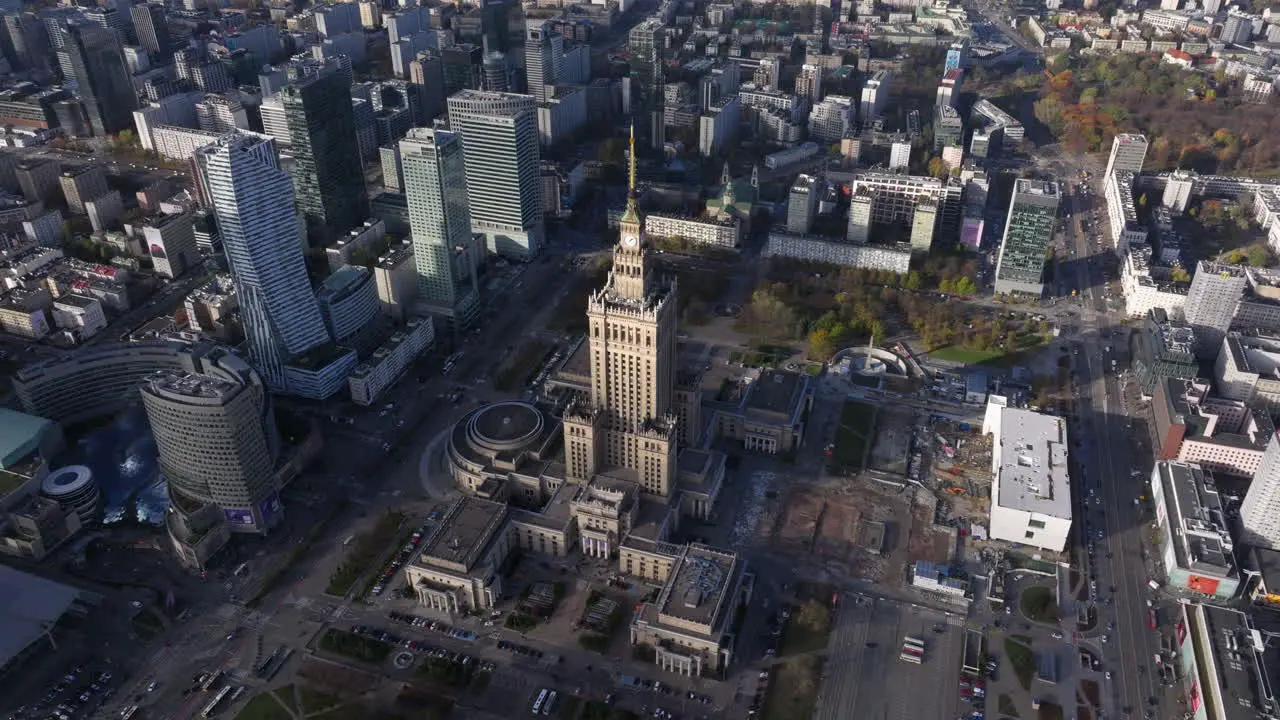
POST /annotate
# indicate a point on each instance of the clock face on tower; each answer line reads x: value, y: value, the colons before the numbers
x: 631, y: 241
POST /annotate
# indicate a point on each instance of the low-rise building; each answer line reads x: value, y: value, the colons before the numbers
x: 458, y: 569
x: 711, y: 231
x: 765, y: 411
x: 1164, y: 348
x: 1030, y: 488
x: 1248, y: 369
x: 935, y: 578
x: 688, y: 625
x: 388, y: 363
x: 894, y: 258
x: 1195, y: 544
x: 81, y: 315
x: 1223, y: 664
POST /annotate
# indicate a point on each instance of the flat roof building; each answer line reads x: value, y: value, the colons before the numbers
x: 1033, y: 214
x: 1195, y: 543
x: 457, y: 569
x: 1031, y: 490
x: 688, y: 624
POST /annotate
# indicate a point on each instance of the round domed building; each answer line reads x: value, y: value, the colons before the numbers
x: 503, y: 448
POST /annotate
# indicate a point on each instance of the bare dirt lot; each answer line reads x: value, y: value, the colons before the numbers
x: 863, y: 529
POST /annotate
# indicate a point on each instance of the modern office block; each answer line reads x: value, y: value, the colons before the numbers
x: 328, y: 174
x: 171, y: 242
x: 802, y: 204
x: 861, y: 210
x: 543, y: 58
x: 82, y: 184
x: 216, y: 442
x: 445, y: 250
x: 500, y: 136
x: 97, y: 66
x: 152, y: 28
x: 923, y: 224
x: 263, y: 241
x: 645, y: 44
x: 1033, y: 212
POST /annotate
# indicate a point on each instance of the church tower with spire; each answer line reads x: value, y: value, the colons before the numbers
x: 629, y: 421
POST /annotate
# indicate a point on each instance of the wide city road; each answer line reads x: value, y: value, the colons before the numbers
x: 1107, y: 464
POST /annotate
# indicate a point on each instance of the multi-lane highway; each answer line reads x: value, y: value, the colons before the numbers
x: 1106, y: 462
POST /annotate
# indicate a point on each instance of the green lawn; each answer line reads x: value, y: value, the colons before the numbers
x: 341, y: 642
x: 368, y: 549
x: 853, y: 437
x: 807, y: 631
x: 264, y: 707
x: 1038, y: 604
x: 1022, y: 660
x: 793, y: 689
x: 956, y: 353
x: 314, y: 701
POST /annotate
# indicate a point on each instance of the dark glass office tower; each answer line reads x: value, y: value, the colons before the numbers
x: 152, y: 28
x: 645, y: 42
x: 493, y: 26
x: 102, y: 80
x: 328, y: 176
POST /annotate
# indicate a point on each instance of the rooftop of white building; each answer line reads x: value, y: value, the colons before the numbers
x: 1030, y: 459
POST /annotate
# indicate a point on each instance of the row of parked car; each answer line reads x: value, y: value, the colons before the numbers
x: 519, y: 649
x: 434, y: 625
x: 402, y: 557
x: 76, y: 694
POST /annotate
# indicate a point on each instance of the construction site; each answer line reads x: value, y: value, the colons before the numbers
x: 866, y: 530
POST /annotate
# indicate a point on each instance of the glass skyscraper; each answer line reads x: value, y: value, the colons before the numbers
x: 262, y: 238
x: 445, y: 252
x: 500, y: 138
x: 96, y: 63
x: 328, y: 174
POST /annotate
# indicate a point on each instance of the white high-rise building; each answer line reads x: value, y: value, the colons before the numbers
x: 1212, y: 300
x: 445, y: 252
x: 1128, y: 151
x: 1260, y: 511
x: 875, y: 93
x: 899, y: 155
x: 500, y: 138
x: 802, y: 204
x: 543, y: 59
x: 263, y: 238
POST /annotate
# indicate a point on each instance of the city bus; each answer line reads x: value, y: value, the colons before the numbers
x: 210, y: 681
x: 542, y: 699
x: 551, y: 703
x: 212, y: 707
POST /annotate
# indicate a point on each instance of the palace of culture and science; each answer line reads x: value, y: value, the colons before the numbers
x: 609, y: 478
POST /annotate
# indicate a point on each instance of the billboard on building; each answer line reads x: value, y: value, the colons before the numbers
x: 971, y: 233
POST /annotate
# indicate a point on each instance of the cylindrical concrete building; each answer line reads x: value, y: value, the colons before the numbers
x: 214, y: 444
x: 74, y: 488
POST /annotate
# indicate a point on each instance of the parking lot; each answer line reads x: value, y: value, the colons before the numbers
x: 77, y: 693
x: 864, y: 676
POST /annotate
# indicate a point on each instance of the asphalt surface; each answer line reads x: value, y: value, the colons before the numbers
x: 1107, y: 461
